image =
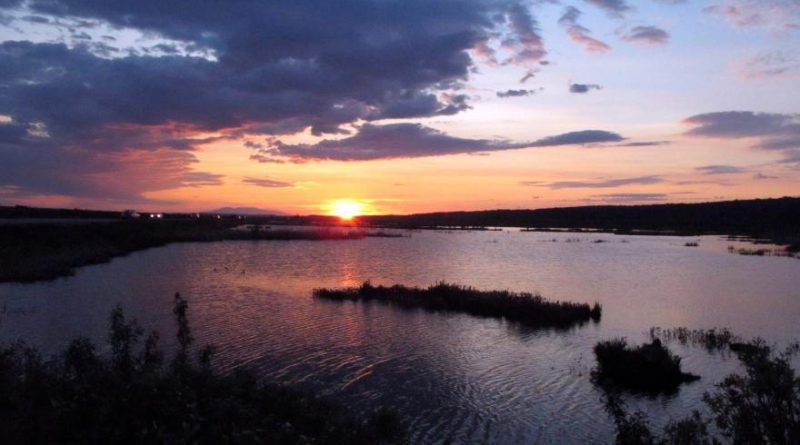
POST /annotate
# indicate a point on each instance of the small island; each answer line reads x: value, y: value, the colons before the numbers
x: 525, y: 308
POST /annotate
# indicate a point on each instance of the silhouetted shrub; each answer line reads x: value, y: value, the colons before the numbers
x: 529, y: 309
x: 649, y: 367
x: 130, y: 397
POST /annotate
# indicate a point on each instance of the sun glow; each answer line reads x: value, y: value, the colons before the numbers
x: 346, y: 209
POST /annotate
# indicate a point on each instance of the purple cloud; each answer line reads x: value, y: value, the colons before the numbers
x: 770, y: 131
x: 578, y: 33
x: 652, y: 35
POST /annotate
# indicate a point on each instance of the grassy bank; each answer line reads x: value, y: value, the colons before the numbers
x: 134, y: 396
x: 529, y: 309
x: 31, y: 252
x: 649, y: 367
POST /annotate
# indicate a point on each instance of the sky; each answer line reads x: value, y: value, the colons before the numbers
x: 397, y: 106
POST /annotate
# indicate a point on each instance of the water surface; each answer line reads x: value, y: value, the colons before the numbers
x: 450, y: 376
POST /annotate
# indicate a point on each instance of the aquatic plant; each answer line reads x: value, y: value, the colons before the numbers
x: 711, y: 339
x: 526, y: 308
x: 131, y: 396
x: 648, y: 367
x: 760, y: 407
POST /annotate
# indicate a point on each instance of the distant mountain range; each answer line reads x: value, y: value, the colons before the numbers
x: 245, y: 211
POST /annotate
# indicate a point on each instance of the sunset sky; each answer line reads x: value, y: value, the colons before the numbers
x: 400, y: 105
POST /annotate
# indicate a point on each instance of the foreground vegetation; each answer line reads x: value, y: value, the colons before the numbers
x: 648, y: 367
x: 131, y: 396
x: 525, y: 308
x: 31, y: 252
x: 761, y: 407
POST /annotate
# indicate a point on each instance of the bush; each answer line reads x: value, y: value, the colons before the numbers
x: 649, y: 367
x: 761, y: 407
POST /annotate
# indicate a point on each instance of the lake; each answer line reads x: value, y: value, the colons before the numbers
x: 450, y: 376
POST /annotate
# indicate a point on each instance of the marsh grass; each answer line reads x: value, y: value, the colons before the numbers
x: 134, y: 396
x: 710, y: 339
x: 525, y: 308
x: 650, y: 367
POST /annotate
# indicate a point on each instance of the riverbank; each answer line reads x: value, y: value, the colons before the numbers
x: 34, y: 252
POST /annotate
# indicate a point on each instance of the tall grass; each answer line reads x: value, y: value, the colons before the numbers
x: 134, y: 396
x: 525, y: 308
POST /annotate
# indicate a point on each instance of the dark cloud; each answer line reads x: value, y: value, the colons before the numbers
x: 585, y: 137
x: 266, y: 182
x: 608, y: 183
x: 515, y: 93
x: 270, y: 68
x: 646, y: 34
x: 411, y: 141
x: 583, y: 88
x: 615, y: 8
x: 579, y: 33
x: 720, y: 169
x: 771, y: 131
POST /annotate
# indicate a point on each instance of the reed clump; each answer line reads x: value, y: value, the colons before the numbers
x: 650, y: 367
x: 525, y: 308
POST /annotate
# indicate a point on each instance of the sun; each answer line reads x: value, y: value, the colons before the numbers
x: 346, y: 209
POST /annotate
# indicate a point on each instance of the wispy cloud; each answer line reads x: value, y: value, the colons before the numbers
x: 607, y: 183
x: 782, y: 15
x: 267, y: 182
x: 770, y: 64
x: 720, y: 169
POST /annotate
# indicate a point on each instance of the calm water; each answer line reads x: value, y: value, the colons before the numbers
x: 450, y: 376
